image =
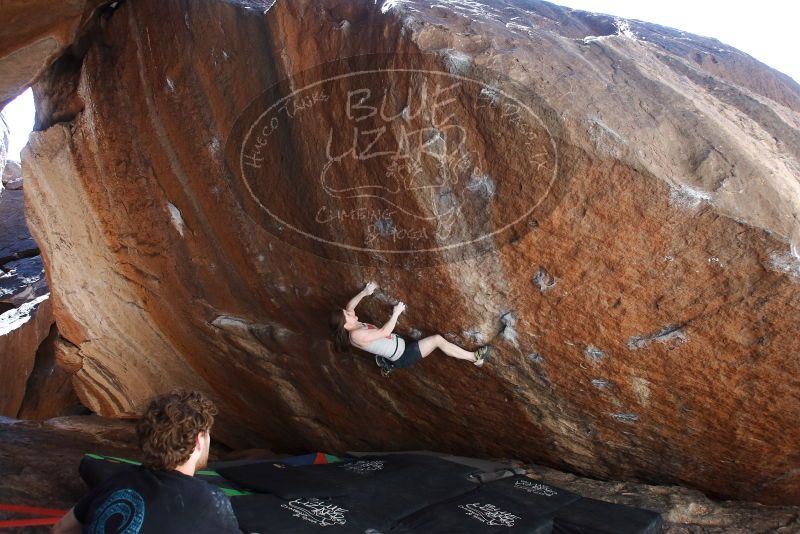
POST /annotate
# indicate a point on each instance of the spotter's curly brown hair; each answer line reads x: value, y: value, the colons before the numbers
x: 168, y: 429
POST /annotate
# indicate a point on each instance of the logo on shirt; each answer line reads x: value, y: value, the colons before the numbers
x: 123, y: 508
x: 317, y: 512
x: 538, y: 489
x: 489, y: 514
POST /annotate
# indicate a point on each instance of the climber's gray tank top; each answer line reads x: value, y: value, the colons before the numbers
x: 390, y: 347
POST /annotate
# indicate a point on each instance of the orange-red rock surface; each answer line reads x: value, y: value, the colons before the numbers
x: 611, y: 204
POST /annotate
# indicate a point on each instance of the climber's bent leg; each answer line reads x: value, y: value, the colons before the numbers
x: 428, y: 344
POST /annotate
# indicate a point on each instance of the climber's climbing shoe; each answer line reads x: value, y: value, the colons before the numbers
x: 482, y: 354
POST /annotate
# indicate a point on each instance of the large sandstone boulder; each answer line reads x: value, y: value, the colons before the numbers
x: 610, y: 203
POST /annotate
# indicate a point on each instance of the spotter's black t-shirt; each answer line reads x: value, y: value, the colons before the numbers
x: 148, y: 501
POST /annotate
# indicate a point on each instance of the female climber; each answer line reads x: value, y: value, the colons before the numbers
x: 391, y: 351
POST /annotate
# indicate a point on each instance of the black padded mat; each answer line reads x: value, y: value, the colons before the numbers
x: 395, y: 473
x: 481, y: 511
x: 536, y: 495
x: 269, y: 514
x: 590, y: 516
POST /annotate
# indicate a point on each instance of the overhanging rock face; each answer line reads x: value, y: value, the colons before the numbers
x: 610, y: 204
x: 33, y: 34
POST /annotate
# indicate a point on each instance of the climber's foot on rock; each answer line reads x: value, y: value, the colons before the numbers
x: 482, y: 354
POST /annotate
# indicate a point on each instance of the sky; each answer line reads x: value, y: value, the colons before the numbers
x: 761, y: 29
x: 19, y: 117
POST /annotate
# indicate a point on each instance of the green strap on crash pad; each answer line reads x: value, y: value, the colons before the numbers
x: 230, y: 492
x: 112, y: 458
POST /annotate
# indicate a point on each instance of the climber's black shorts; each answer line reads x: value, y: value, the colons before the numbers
x: 410, y: 356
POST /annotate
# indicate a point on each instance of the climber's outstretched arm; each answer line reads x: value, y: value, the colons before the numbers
x: 388, y: 326
x: 364, y: 336
x: 369, y: 289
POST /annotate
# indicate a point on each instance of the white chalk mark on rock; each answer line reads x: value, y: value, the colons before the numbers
x: 388, y: 5
x: 482, y: 185
x: 625, y: 417
x: 544, y: 280
x: 600, y: 383
x: 684, y: 196
x: 176, y: 217
x: 535, y: 357
x: 509, y: 331
x: 214, y: 146
x: 668, y: 333
x: 593, y: 353
x: 785, y: 262
x: 456, y: 62
x: 490, y: 94
x: 474, y: 335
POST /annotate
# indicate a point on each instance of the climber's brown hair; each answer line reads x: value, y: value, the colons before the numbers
x: 341, y: 337
x: 168, y: 429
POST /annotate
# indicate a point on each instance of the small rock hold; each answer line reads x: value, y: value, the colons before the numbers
x: 482, y: 185
x: 509, y: 331
x: 176, y: 217
x: 600, y: 383
x: 457, y: 62
x: 543, y: 280
x: 666, y: 334
x: 593, y: 353
x: 535, y: 357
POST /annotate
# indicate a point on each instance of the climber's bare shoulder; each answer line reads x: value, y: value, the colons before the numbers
x: 363, y: 336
